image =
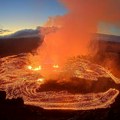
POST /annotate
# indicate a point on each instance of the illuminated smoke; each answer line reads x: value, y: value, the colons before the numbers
x: 76, y: 28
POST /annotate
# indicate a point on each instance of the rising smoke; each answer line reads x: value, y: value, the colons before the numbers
x: 77, y: 27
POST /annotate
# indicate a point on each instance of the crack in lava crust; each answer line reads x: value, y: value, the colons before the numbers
x: 18, y: 81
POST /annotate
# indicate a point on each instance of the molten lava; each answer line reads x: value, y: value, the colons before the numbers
x: 18, y: 81
x: 41, y: 80
x: 56, y: 66
x: 34, y: 69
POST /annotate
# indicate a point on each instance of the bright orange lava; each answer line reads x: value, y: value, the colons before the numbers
x: 34, y: 69
x: 55, y: 66
x: 40, y: 80
x: 18, y: 81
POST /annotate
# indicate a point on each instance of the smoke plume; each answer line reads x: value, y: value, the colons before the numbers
x: 76, y: 28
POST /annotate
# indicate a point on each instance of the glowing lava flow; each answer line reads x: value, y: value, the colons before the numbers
x: 56, y: 66
x: 18, y: 81
x: 34, y: 69
x: 65, y: 100
x: 40, y: 80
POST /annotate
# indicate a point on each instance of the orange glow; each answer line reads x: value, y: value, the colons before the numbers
x: 29, y: 67
x: 55, y: 66
x: 40, y: 80
x: 34, y: 69
x: 38, y: 90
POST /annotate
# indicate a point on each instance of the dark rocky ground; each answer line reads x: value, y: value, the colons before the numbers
x: 79, y: 85
x: 15, y: 109
x: 15, y: 46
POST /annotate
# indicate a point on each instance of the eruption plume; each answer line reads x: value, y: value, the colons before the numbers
x: 77, y: 27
